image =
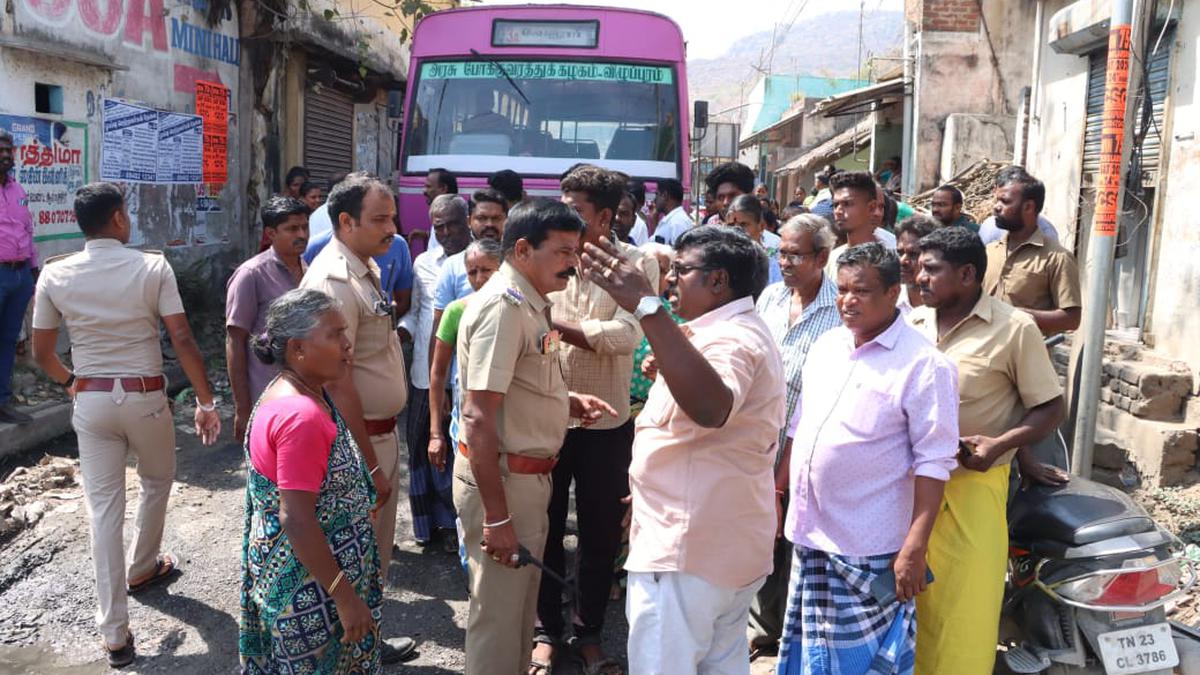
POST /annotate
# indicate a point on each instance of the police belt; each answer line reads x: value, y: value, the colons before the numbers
x: 521, y: 463
x: 139, y: 385
x: 380, y: 427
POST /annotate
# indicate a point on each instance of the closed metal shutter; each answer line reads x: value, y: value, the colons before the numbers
x: 1159, y: 75
x: 1097, y: 63
x: 1160, y: 70
x: 328, y: 133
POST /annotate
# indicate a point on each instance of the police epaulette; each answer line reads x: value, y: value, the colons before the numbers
x: 513, y: 296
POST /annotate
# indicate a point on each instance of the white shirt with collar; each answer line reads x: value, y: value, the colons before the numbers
x: 673, y: 225
x: 640, y: 233
x: 418, y: 320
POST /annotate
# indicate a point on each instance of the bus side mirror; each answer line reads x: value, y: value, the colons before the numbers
x: 700, y: 114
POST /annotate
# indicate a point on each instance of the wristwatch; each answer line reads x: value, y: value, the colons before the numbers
x: 647, y: 306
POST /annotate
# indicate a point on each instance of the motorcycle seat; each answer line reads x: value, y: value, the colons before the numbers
x: 1079, y: 513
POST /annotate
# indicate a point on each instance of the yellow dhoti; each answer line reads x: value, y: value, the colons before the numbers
x: 958, y: 615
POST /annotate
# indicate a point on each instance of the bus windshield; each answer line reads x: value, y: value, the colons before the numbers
x: 467, y: 116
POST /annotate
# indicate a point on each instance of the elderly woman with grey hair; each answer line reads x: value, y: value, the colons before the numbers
x: 797, y: 311
x: 311, y: 589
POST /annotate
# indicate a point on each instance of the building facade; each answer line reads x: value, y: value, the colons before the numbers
x: 1149, y: 410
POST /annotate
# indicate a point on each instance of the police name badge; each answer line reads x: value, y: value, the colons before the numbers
x: 551, y: 341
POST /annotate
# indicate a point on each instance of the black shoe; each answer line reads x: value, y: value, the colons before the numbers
x: 10, y: 414
x: 398, y: 650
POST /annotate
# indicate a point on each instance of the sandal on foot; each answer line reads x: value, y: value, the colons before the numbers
x: 165, y: 568
x: 119, y: 658
x: 537, y: 666
x: 605, y: 666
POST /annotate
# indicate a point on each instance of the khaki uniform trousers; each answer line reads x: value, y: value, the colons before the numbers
x: 109, y: 425
x: 503, y: 605
x: 387, y: 452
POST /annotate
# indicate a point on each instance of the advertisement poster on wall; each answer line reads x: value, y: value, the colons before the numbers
x: 50, y: 163
x: 129, y: 145
x: 142, y: 145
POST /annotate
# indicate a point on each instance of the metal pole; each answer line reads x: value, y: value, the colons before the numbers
x: 908, y: 172
x: 1102, y: 241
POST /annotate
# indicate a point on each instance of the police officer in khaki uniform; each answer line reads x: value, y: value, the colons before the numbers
x: 515, y: 414
x: 112, y: 299
x: 363, y: 211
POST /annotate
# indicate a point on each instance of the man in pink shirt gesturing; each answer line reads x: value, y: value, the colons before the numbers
x: 704, y: 517
x: 873, y: 441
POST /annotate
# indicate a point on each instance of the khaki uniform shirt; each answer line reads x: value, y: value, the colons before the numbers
x: 1040, y: 274
x: 612, y: 333
x: 378, y: 370
x: 1004, y: 368
x: 112, y: 298
x: 503, y: 347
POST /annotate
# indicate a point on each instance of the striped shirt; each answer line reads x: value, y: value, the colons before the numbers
x: 794, y: 339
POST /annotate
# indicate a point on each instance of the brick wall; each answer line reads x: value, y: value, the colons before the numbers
x: 950, y: 15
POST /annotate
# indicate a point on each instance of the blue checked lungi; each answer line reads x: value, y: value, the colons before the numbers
x: 429, y: 490
x: 833, y: 624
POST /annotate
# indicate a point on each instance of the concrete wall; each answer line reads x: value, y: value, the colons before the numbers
x: 955, y: 72
x: 1175, y: 260
x: 968, y: 138
x: 1055, y: 152
x: 160, y: 48
x: 1056, y: 128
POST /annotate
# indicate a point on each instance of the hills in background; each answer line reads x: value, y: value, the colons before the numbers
x: 825, y: 45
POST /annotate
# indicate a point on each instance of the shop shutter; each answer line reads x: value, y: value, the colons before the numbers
x: 1158, y: 79
x: 1159, y: 76
x: 1097, y: 63
x: 328, y: 133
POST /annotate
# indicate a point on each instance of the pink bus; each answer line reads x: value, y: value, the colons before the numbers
x: 537, y: 89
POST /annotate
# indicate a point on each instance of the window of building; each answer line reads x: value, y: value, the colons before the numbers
x: 48, y: 98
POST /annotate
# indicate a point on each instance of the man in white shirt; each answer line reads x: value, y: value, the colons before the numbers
x: 429, y: 489
x: 675, y: 219
x: 640, y: 232
x: 857, y: 213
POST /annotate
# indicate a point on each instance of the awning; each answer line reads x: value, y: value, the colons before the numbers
x: 765, y: 133
x: 830, y: 150
x: 866, y: 99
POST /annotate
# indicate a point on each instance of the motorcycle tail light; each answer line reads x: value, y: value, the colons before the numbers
x: 1146, y: 581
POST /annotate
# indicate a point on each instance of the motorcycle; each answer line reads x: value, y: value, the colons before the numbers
x: 1090, y: 574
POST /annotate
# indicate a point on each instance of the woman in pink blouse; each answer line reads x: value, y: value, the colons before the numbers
x: 311, y: 590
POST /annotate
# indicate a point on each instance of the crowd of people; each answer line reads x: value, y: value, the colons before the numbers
x: 764, y: 417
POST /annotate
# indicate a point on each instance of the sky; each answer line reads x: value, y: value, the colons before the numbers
x: 710, y: 25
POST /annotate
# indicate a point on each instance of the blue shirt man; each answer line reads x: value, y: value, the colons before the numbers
x: 452, y: 282
x: 395, y: 267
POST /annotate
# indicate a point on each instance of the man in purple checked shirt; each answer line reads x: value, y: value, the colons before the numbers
x: 17, y: 260
x: 873, y: 441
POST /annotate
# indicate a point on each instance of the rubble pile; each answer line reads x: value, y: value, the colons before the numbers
x: 31, y: 388
x: 976, y: 183
x: 30, y: 492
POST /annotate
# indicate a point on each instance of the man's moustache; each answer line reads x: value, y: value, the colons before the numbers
x: 567, y: 273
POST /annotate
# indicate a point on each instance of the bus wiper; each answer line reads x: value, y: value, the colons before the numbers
x: 503, y: 72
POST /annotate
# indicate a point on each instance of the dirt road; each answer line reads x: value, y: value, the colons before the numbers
x: 47, y: 600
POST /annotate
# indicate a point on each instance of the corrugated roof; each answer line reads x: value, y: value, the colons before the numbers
x: 830, y: 150
x: 862, y: 100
